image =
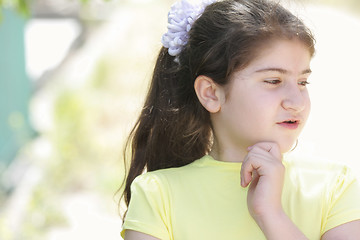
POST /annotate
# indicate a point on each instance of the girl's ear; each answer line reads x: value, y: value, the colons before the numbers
x: 209, y: 94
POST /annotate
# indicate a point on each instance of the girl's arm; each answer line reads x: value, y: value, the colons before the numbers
x: 348, y: 231
x: 134, y: 235
x: 279, y: 226
x: 263, y: 170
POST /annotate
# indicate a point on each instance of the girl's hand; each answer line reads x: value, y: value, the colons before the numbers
x: 263, y: 169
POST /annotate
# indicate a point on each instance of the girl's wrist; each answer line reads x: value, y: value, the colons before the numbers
x: 277, y: 225
x: 269, y: 218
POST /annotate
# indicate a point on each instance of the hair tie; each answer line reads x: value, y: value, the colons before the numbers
x: 180, y: 19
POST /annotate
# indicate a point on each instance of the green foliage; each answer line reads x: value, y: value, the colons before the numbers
x: 42, y: 214
x: 5, y: 233
x: 83, y: 158
x: 21, y: 6
x: 90, y: 124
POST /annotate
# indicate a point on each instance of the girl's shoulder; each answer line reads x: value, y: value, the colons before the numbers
x: 317, y: 170
x: 199, y: 170
x: 162, y: 174
x: 161, y: 182
x: 314, y: 164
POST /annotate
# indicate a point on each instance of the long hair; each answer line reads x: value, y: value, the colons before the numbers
x: 174, y: 129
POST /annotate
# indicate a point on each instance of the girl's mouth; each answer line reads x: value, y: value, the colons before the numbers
x: 289, y: 124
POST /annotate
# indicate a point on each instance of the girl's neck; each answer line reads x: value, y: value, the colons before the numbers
x: 229, y: 154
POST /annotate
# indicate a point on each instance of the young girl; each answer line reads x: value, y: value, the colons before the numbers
x: 228, y: 98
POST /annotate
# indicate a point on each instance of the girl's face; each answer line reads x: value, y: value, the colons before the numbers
x: 268, y: 100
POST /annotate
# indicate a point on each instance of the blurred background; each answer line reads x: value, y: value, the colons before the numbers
x: 73, y: 75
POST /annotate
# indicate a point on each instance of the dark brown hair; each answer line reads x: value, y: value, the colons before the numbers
x: 173, y: 128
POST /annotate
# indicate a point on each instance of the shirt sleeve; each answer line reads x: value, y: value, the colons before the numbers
x: 344, y: 200
x: 147, y: 208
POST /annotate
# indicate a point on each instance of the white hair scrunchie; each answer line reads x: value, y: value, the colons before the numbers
x: 180, y: 19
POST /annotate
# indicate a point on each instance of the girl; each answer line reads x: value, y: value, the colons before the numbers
x: 228, y: 98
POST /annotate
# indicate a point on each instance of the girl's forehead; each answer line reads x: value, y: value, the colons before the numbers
x: 281, y: 52
x: 281, y: 55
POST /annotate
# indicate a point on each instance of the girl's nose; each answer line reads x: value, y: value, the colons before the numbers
x: 295, y: 99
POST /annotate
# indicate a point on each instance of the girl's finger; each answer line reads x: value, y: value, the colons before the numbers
x: 251, y: 164
x: 260, y: 155
x: 266, y: 147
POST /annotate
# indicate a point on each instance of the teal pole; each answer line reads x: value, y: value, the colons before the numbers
x: 15, y: 88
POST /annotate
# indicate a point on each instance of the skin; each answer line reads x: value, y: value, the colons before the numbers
x: 270, y: 90
x: 247, y: 124
x: 247, y: 117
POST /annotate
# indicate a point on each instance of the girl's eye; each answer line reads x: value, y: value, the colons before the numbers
x: 273, y: 81
x: 303, y: 83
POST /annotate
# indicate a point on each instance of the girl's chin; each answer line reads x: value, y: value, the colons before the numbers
x: 284, y: 148
x: 285, y: 145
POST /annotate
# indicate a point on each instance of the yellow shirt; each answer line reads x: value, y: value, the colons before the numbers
x: 204, y: 200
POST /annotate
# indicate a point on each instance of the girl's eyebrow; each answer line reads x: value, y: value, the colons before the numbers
x: 282, y: 71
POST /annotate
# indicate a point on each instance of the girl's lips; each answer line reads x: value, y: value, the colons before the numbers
x: 289, y: 124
